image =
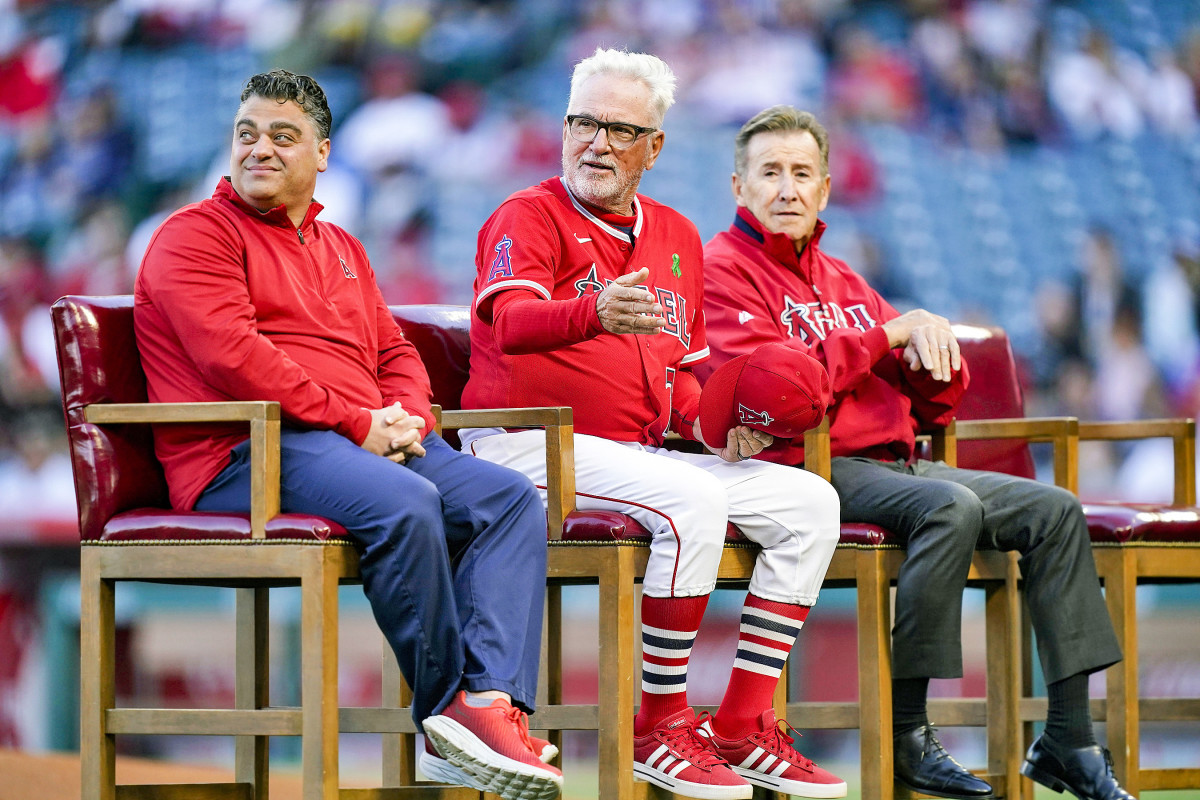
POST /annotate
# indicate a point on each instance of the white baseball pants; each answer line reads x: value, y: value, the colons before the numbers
x: 684, y: 500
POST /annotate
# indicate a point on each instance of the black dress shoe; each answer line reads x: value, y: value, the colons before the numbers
x: 1085, y: 772
x: 923, y: 765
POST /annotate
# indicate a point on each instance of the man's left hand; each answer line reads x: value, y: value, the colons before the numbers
x: 934, y: 349
x: 741, y: 443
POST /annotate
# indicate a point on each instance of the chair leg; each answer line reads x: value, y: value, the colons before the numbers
x: 552, y: 669
x: 874, y: 674
x: 318, y: 681
x: 97, y: 689
x: 1005, y: 743
x: 399, y: 749
x: 617, y: 670
x: 1122, y: 713
x: 252, y: 687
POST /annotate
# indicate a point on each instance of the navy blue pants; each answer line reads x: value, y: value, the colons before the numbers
x: 453, y: 555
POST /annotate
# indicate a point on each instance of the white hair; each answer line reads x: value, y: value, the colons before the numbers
x: 650, y: 70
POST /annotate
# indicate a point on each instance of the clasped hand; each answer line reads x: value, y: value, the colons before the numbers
x: 741, y: 442
x: 627, y: 307
x: 395, y: 434
x: 929, y: 343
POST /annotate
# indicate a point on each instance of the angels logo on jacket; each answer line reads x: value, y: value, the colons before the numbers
x: 346, y: 268
x: 748, y: 416
x: 502, y: 265
x: 815, y: 320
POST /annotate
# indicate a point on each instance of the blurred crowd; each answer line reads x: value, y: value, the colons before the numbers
x: 115, y: 112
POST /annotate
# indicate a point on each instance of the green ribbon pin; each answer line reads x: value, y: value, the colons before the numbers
x: 675, y: 265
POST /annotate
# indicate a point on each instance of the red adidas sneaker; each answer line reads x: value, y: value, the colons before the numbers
x: 766, y: 758
x: 674, y: 757
x: 490, y: 746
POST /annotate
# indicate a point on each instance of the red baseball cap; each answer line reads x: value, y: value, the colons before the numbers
x: 775, y: 389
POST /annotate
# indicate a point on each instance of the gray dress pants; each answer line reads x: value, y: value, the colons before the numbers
x: 943, y: 514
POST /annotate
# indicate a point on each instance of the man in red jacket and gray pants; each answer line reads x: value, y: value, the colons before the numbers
x: 248, y: 296
x: 767, y: 281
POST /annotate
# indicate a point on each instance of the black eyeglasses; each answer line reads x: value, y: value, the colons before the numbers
x: 620, y: 134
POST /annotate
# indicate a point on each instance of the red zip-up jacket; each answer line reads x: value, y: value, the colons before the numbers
x: 234, y: 304
x: 758, y: 290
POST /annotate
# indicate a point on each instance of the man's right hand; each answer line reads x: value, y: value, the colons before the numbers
x: 626, y: 307
x: 395, y: 434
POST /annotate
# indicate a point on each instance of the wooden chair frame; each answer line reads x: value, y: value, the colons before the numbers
x: 251, y: 567
x: 872, y: 570
x: 615, y: 567
x: 1122, y: 567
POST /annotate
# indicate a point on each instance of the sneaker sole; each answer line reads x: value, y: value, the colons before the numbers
x: 789, y: 786
x: 703, y: 791
x: 490, y: 771
x: 440, y: 770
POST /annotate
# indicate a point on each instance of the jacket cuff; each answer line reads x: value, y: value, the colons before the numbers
x: 876, y: 342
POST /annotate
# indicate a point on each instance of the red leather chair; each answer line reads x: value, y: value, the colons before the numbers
x: 1145, y: 543
x: 129, y: 533
x: 611, y: 549
x: 1132, y: 543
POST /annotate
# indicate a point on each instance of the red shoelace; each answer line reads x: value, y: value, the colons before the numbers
x: 520, y: 721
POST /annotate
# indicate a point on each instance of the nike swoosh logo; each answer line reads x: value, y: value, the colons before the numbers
x: 581, y: 241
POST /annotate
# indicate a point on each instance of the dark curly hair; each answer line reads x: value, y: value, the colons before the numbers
x: 281, y: 85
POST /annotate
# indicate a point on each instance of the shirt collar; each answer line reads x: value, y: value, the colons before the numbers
x: 277, y: 216
x: 776, y: 245
x: 619, y: 219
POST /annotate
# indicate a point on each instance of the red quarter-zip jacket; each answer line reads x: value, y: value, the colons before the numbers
x: 234, y: 304
x: 758, y: 290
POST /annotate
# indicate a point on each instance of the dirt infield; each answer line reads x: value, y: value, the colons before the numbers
x: 55, y: 776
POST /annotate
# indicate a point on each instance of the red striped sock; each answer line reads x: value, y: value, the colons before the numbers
x: 768, y: 631
x: 669, y: 626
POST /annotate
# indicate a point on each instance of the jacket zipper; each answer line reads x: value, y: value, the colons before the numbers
x: 316, y: 272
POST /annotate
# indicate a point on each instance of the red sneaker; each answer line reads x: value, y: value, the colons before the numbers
x: 674, y: 757
x: 542, y: 749
x: 766, y: 758
x: 438, y: 769
x: 490, y: 745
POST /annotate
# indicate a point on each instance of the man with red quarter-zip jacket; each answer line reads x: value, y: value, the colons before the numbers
x: 760, y: 290
x: 768, y: 283
x: 248, y: 296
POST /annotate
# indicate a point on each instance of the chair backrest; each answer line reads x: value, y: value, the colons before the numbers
x: 994, y: 393
x: 114, y: 465
x: 116, y: 470
x: 442, y: 335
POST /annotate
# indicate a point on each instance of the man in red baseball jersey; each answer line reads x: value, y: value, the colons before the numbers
x: 768, y: 282
x: 588, y: 294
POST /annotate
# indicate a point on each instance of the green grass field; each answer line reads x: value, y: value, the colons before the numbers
x: 580, y: 780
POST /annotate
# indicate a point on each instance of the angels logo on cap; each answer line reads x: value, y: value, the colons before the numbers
x: 776, y: 389
x: 748, y: 416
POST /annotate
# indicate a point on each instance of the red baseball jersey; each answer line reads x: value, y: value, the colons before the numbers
x: 622, y: 387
